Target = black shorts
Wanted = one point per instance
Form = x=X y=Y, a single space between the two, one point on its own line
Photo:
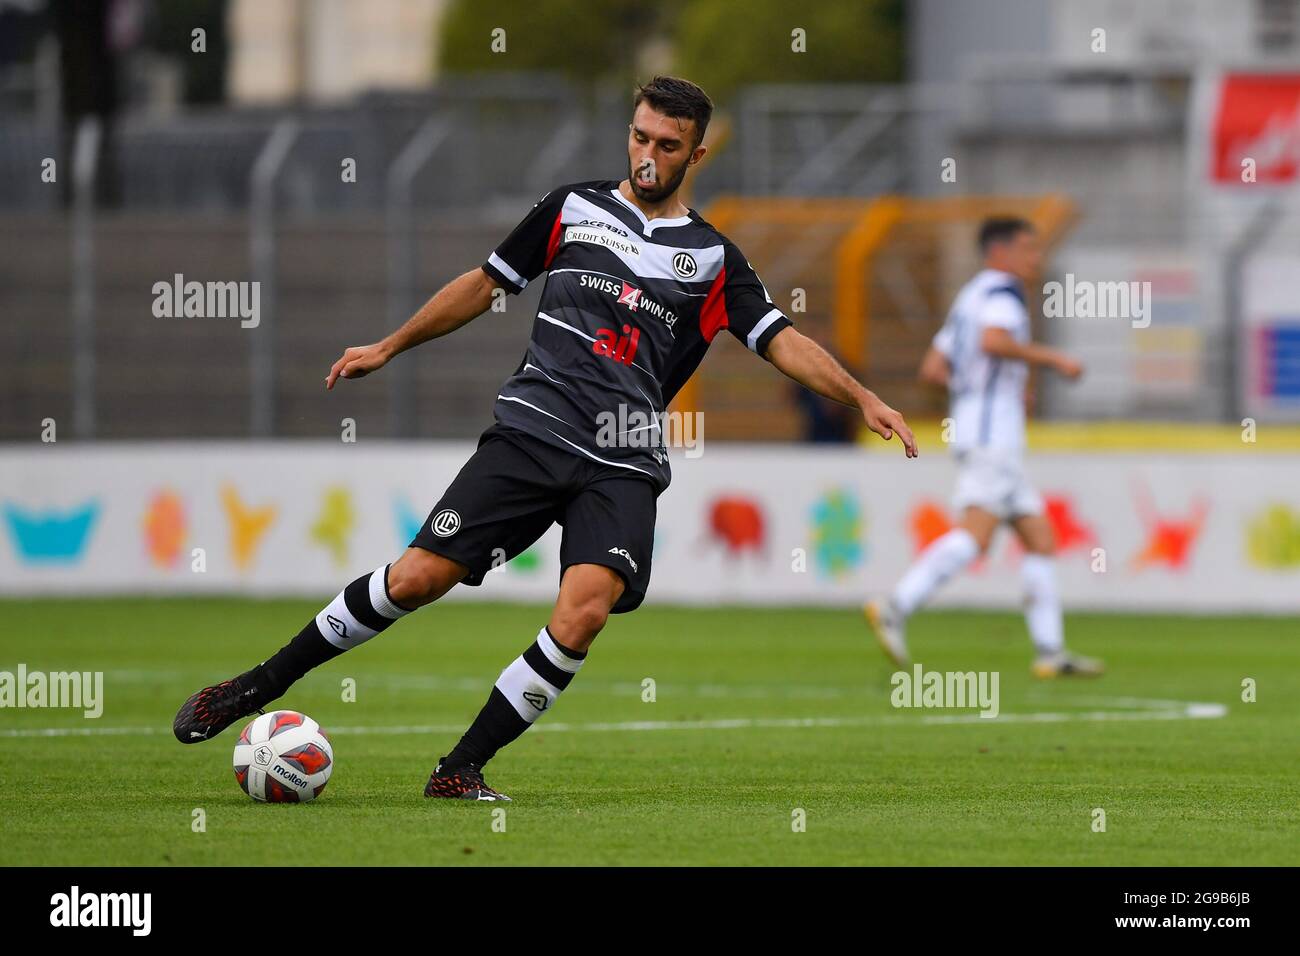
x=514 y=487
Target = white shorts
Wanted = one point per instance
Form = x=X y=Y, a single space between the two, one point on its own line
x=994 y=479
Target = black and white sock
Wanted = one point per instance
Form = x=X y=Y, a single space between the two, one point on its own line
x=359 y=612
x=526 y=689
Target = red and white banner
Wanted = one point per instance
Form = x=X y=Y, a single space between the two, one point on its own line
x=1256 y=118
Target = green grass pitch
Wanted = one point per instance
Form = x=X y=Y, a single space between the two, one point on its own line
x=760 y=713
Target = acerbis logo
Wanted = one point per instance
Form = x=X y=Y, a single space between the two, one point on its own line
x=607 y=225
x=684 y=265
x=445 y=523
x=537 y=700
x=337 y=626
x=622 y=552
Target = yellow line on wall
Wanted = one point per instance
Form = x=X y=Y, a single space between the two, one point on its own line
x=1122 y=436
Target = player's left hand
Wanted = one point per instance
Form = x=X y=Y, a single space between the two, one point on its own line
x=885 y=421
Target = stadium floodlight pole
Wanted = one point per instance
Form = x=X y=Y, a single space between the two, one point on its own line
x=85 y=163
x=756 y=142
x=402 y=260
x=261 y=370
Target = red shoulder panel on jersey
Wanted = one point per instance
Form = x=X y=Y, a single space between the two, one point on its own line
x=713 y=314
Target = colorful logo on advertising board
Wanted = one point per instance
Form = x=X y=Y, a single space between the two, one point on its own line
x=164 y=529
x=247 y=525
x=50 y=536
x=1273 y=538
x=837 y=525
x=1170 y=540
x=334 y=523
x=737 y=524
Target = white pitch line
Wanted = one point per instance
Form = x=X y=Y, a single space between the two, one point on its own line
x=620 y=688
x=1186 y=711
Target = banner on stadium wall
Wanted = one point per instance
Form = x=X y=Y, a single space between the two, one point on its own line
x=1270 y=337
x=1256 y=120
x=740 y=524
x=1245 y=158
x=1155 y=360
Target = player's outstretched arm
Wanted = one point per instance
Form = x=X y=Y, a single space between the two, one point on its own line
x=813 y=367
x=458 y=302
x=934 y=369
x=1000 y=343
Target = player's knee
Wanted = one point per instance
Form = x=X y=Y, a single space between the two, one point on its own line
x=982 y=541
x=579 y=623
x=1043 y=541
x=419 y=578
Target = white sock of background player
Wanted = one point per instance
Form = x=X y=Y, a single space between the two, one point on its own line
x=944 y=557
x=1042 y=604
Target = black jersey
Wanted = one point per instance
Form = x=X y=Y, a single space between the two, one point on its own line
x=628 y=311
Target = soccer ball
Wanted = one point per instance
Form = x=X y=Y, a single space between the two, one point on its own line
x=283 y=757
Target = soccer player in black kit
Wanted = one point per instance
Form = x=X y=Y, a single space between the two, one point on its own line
x=637 y=287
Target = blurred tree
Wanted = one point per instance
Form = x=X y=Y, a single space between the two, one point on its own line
x=88 y=88
x=170 y=32
x=720 y=44
x=725 y=44
x=588 y=42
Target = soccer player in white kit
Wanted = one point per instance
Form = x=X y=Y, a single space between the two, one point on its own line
x=982 y=355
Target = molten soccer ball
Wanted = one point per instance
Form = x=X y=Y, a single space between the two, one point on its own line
x=283 y=757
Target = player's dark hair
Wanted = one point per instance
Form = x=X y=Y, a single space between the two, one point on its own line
x=678 y=99
x=999 y=229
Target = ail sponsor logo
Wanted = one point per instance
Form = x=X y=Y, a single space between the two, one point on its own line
x=619 y=348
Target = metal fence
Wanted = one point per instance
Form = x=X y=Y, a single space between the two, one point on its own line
x=265 y=197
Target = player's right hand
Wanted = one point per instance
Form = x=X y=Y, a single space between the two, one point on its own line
x=356 y=362
x=1070 y=368
x=886 y=422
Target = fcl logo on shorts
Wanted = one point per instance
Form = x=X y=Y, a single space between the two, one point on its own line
x=445 y=523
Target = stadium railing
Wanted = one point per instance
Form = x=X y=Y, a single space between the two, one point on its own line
x=871 y=277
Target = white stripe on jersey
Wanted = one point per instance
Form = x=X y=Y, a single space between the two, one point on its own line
x=649 y=225
x=511 y=398
x=616 y=464
x=760 y=327
x=576 y=331
x=530 y=365
x=565 y=325
x=506 y=271
x=654 y=260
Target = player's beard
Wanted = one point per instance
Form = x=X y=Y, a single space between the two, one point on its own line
x=654 y=195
